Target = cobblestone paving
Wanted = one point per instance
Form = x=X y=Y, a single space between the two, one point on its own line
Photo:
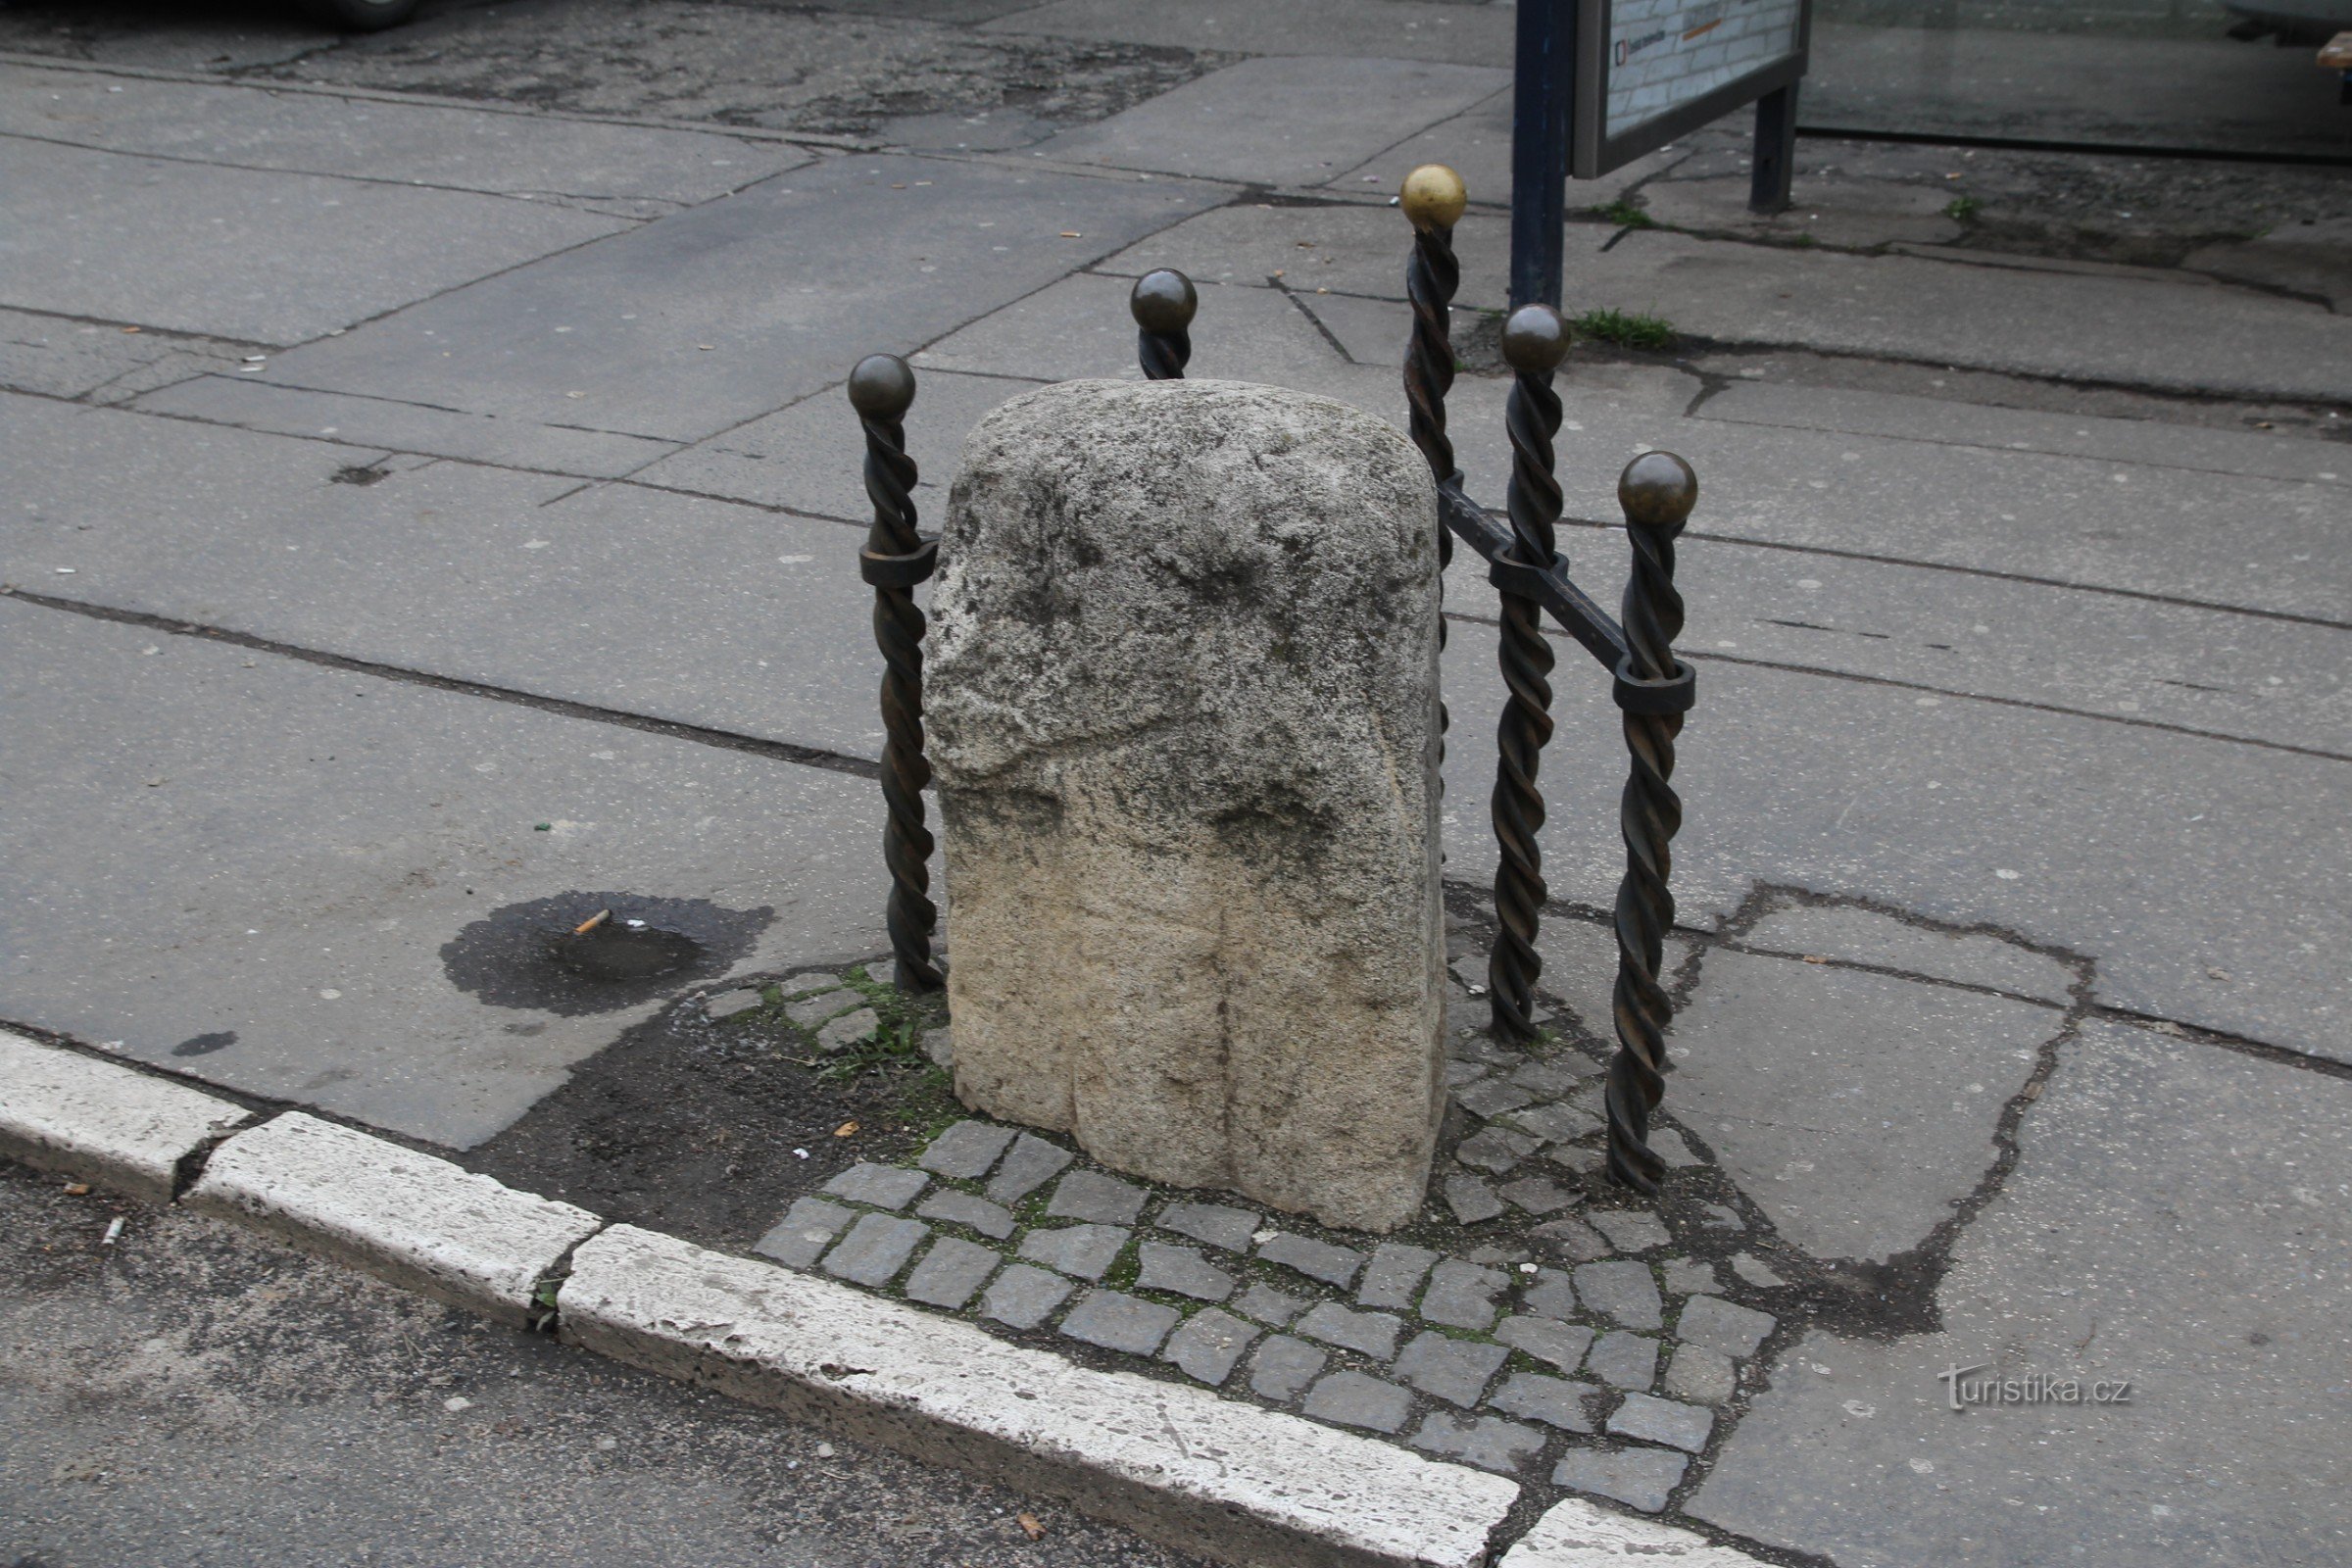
x=1534 y=1321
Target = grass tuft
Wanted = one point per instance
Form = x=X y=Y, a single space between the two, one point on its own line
x=1632 y=331
x=1625 y=215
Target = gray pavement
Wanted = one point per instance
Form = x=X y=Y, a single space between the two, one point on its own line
x=192 y=1394
x=431 y=504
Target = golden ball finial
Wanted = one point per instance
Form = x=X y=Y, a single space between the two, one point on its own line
x=1433 y=197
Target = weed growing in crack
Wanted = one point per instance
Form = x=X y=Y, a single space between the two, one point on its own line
x=1625 y=215
x=1631 y=331
x=1961 y=209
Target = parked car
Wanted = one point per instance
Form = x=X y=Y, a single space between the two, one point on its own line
x=361 y=15
x=2291 y=21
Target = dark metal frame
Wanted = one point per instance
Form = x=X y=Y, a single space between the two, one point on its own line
x=1558 y=128
x=1652 y=687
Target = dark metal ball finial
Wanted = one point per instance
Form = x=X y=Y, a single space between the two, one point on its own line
x=1433 y=197
x=1657 y=490
x=1164 y=301
x=882 y=387
x=1535 y=339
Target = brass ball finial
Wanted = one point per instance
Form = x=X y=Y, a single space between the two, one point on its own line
x=1657 y=490
x=1535 y=339
x=1433 y=197
x=1164 y=301
x=882 y=387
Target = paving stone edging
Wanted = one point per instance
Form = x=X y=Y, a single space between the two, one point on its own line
x=1175 y=1463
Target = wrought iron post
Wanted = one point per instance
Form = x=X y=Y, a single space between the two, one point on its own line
x=894 y=559
x=1162 y=304
x=1433 y=198
x=1655 y=690
x=1535 y=340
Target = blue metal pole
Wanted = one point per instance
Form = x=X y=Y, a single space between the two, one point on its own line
x=1542 y=87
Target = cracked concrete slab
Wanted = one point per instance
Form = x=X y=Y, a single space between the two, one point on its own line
x=2198 y=873
x=1954 y=422
x=1858 y=1110
x=253 y=866
x=245 y=403
x=811 y=457
x=2141 y=1237
x=2186 y=336
x=264 y=257
x=62 y=357
x=1349 y=249
x=357 y=138
x=725 y=313
x=1868 y=936
x=1947 y=634
x=1279 y=121
x=457 y=570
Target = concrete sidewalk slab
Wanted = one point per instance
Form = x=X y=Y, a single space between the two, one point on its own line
x=281 y=876
x=62 y=357
x=1197 y=1471
x=312 y=134
x=2144 y=443
x=419 y=1222
x=63 y=1111
x=811 y=457
x=261 y=258
x=2067 y=520
x=1476 y=144
x=1279 y=121
x=1351 y=249
x=2199 y=874
x=694 y=610
x=716 y=316
x=2143 y=1237
x=1397 y=30
x=2192 y=337
x=2130 y=660
x=245 y=403
x=1857 y=1110
x=1080 y=328
x=1866 y=937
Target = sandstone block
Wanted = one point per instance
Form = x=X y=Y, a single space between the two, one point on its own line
x=1182 y=690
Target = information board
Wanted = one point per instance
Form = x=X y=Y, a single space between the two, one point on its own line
x=1649 y=70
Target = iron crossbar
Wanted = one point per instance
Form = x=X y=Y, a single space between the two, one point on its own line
x=1652 y=688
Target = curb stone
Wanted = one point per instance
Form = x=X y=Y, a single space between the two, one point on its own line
x=63 y=1112
x=1176 y=1463
x=1574 y=1536
x=408 y=1218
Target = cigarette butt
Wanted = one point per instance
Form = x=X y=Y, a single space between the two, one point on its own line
x=592 y=922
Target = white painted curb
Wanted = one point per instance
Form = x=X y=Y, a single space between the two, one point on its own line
x=1172 y=1461
x=410 y=1219
x=1577 y=1535
x=1175 y=1462
x=63 y=1111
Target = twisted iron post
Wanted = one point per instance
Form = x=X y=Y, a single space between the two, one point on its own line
x=1655 y=690
x=1535 y=340
x=1433 y=198
x=894 y=559
x=1162 y=304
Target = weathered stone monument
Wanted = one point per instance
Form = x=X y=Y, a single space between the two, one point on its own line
x=1182 y=684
